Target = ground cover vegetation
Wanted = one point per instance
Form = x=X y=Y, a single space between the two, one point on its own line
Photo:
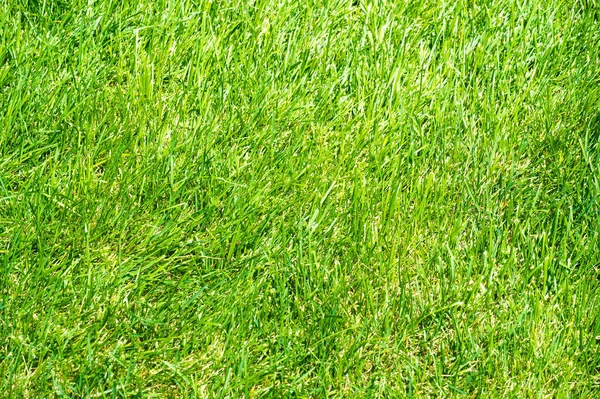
x=299 y=198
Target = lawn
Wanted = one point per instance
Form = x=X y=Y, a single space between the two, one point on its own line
x=299 y=199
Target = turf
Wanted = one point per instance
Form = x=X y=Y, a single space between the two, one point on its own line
x=318 y=198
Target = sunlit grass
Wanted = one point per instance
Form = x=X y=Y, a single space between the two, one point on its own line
x=299 y=199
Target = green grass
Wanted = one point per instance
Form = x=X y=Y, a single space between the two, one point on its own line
x=297 y=199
